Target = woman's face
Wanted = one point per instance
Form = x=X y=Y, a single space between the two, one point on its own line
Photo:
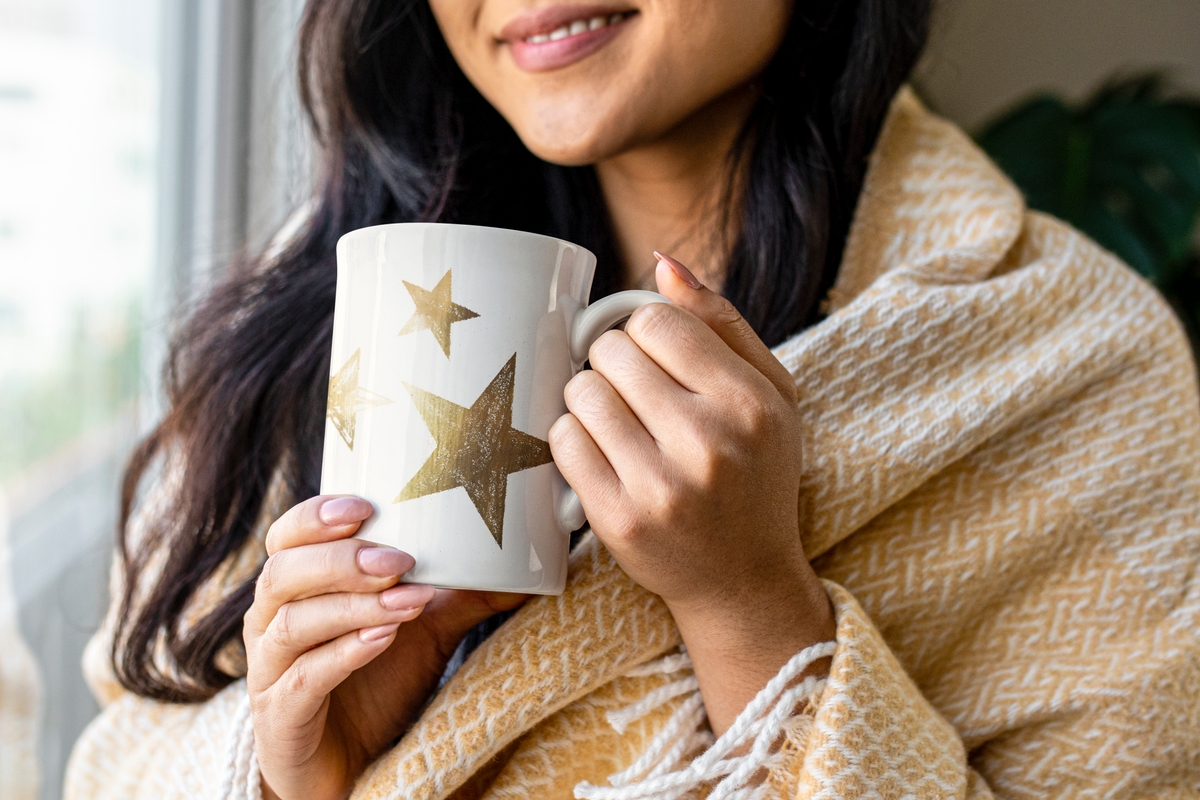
x=584 y=82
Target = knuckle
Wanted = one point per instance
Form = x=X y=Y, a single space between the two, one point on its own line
x=784 y=384
x=562 y=431
x=584 y=390
x=259 y=704
x=336 y=559
x=713 y=467
x=661 y=497
x=346 y=606
x=710 y=449
x=653 y=320
x=281 y=529
x=343 y=653
x=755 y=415
x=653 y=502
x=272 y=539
x=569 y=445
x=268 y=578
x=726 y=313
x=695 y=428
x=606 y=348
x=299 y=678
x=624 y=528
x=283 y=627
x=290 y=528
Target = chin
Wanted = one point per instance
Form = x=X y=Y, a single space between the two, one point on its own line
x=566 y=153
x=569 y=143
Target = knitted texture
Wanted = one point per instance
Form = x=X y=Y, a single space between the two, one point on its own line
x=1001 y=491
x=20 y=691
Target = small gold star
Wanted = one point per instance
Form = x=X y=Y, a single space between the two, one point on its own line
x=436 y=312
x=477 y=448
x=347 y=398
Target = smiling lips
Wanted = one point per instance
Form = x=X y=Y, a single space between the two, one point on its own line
x=554 y=37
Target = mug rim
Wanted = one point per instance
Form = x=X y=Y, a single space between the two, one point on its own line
x=515 y=231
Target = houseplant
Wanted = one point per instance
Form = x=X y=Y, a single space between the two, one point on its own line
x=1124 y=167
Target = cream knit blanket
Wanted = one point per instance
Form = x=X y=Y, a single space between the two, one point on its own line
x=1002 y=492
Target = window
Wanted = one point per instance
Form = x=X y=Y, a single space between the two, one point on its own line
x=142 y=143
x=79 y=90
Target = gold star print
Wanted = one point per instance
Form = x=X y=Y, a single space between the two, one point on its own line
x=436 y=312
x=477 y=448
x=347 y=398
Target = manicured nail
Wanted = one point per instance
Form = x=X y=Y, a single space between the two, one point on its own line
x=344 y=511
x=406 y=595
x=379 y=632
x=683 y=273
x=384 y=562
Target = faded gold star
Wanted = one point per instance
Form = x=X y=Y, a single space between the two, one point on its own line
x=477 y=448
x=347 y=398
x=436 y=312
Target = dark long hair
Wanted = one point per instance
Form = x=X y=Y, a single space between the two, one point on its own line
x=403 y=136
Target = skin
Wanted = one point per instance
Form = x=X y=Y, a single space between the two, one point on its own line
x=655 y=110
x=683 y=440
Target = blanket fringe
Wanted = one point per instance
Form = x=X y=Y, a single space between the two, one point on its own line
x=240 y=776
x=655 y=775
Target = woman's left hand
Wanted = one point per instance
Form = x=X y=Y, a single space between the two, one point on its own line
x=683 y=442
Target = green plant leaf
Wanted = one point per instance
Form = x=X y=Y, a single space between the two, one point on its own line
x=1123 y=167
x=1030 y=145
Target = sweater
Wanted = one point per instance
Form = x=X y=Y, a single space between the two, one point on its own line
x=1001 y=493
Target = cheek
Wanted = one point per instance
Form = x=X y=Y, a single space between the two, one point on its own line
x=458 y=21
x=730 y=44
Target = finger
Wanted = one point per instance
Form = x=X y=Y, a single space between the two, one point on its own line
x=302 y=625
x=323 y=518
x=691 y=353
x=608 y=420
x=652 y=396
x=299 y=693
x=351 y=565
x=459 y=610
x=682 y=288
x=583 y=465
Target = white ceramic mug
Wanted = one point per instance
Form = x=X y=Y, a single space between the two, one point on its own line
x=451 y=348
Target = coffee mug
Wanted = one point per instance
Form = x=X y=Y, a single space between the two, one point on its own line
x=452 y=345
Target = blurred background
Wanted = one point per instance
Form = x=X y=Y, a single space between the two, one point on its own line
x=144 y=142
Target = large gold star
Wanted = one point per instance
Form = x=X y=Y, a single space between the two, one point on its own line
x=436 y=312
x=347 y=398
x=477 y=448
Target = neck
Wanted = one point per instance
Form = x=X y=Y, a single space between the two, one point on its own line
x=668 y=195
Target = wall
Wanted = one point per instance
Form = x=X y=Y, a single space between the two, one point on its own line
x=984 y=55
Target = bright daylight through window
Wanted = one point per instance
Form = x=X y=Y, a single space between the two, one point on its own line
x=76 y=221
x=78 y=128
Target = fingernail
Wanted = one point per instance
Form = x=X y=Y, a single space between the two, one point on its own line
x=683 y=273
x=344 y=510
x=378 y=632
x=384 y=562
x=407 y=595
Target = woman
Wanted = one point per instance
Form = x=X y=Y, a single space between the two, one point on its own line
x=975 y=426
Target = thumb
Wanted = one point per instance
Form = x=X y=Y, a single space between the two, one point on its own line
x=681 y=287
x=456 y=611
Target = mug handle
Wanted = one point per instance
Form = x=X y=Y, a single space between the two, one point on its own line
x=588 y=326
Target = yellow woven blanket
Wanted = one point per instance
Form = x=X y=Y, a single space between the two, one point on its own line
x=1001 y=490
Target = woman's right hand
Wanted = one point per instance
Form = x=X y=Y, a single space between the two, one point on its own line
x=326 y=608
